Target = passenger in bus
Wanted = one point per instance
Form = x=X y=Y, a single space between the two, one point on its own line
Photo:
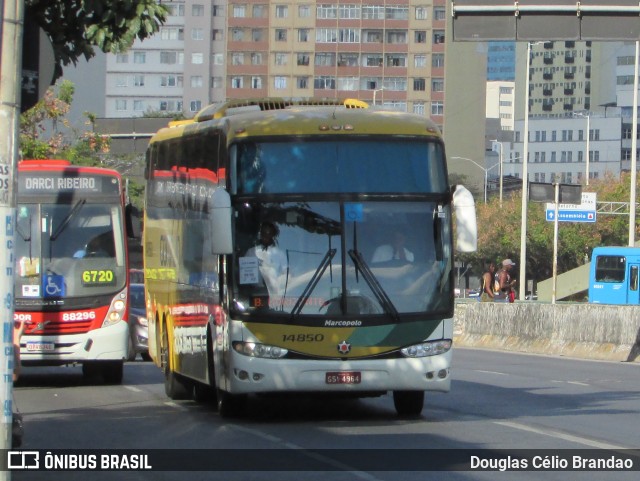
x=393 y=251
x=272 y=262
x=99 y=246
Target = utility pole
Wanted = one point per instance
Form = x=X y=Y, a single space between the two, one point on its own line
x=10 y=82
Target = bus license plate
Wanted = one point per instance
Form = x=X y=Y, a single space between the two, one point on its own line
x=40 y=346
x=343 y=377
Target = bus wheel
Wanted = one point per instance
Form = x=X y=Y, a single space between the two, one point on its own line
x=408 y=403
x=231 y=405
x=112 y=372
x=175 y=386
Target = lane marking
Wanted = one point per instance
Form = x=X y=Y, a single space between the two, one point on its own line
x=566 y=437
x=133 y=388
x=171 y=404
x=492 y=372
x=318 y=457
x=578 y=383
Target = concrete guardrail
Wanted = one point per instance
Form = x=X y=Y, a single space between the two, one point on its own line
x=590 y=331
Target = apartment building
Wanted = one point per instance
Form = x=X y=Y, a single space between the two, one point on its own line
x=388 y=52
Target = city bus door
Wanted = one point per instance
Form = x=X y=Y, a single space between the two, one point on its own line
x=633 y=293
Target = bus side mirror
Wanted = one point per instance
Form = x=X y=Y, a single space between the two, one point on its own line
x=221 y=238
x=132 y=219
x=466 y=223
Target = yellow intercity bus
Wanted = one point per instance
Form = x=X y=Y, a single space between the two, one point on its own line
x=301 y=246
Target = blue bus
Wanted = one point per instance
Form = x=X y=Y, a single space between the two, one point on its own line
x=613 y=277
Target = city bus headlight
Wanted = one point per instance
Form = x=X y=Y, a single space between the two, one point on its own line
x=264 y=351
x=116 y=310
x=424 y=349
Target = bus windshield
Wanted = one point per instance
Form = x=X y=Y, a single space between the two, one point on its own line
x=341 y=166
x=343 y=259
x=69 y=250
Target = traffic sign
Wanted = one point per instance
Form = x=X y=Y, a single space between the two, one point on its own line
x=583 y=212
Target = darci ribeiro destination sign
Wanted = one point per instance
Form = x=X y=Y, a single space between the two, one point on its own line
x=50 y=183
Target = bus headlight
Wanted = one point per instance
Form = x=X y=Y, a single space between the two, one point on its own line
x=264 y=351
x=424 y=349
x=116 y=310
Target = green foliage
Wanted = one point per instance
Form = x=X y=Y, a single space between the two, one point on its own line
x=75 y=27
x=499 y=231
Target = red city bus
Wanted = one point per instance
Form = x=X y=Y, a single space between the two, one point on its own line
x=71 y=280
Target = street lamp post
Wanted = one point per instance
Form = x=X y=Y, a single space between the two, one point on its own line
x=588 y=116
x=495 y=142
x=484 y=169
x=375 y=92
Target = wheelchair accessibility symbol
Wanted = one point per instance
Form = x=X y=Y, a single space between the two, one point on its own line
x=53 y=285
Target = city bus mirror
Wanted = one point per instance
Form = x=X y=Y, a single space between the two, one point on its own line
x=221 y=239
x=132 y=216
x=466 y=225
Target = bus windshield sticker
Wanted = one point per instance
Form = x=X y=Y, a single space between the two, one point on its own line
x=98 y=277
x=353 y=212
x=249 y=272
x=31 y=290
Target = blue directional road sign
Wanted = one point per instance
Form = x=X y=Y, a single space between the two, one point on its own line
x=572 y=215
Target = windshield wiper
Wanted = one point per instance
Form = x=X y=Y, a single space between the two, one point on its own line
x=374 y=285
x=74 y=210
x=313 y=282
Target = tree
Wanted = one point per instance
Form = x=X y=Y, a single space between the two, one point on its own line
x=75 y=27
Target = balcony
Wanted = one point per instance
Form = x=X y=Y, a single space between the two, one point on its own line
x=569 y=75
x=569 y=59
x=547 y=107
x=547 y=76
x=548 y=60
x=568 y=91
x=568 y=106
x=548 y=45
x=547 y=92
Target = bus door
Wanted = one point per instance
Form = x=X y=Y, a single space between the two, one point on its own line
x=633 y=293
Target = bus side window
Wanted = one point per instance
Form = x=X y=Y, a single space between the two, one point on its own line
x=633 y=278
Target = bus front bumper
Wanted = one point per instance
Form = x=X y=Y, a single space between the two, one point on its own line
x=255 y=375
x=104 y=344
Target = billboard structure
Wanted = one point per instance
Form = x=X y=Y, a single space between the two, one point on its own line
x=532 y=20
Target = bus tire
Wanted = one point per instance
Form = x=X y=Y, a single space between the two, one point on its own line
x=112 y=371
x=175 y=386
x=408 y=403
x=230 y=405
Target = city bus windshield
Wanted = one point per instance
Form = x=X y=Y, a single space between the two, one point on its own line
x=342 y=259
x=69 y=250
x=389 y=165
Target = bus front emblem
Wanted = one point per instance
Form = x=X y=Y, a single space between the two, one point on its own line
x=344 y=347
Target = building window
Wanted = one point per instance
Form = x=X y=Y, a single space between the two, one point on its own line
x=280 y=83
x=216 y=82
x=197 y=10
x=138 y=105
x=259 y=11
x=437 y=107
x=325 y=59
x=256 y=82
x=437 y=60
x=373 y=12
x=324 y=83
x=197 y=58
x=122 y=58
x=302 y=82
x=237 y=58
x=217 y=34
x=303 y=59
x=281 y=35
x=196 y=81
x=420 y=36
x=438 y=36
x=121 y=81
x=326 y=35
x=303 y=35
x=197 y=34
x=282 y=11
x=397 y=13
x=419 y=84
x=325 y=11
x=397 y=37
x=418 y=108
x=281 y=58
x=217 y=10
x=171 y=81
x=139 y=57
x=304 y=11
x=421 y=13
x=218 y=59
x=237 y=35
x=172 y=58
x=237 y=82
x=171 y=33
x=138 y=80
x=256 y=58
x=239 y=11
x=420 y=61
x=195 y=105
x=175 y=10
x=439 y=13
x=437 y=85
x=121 y=104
